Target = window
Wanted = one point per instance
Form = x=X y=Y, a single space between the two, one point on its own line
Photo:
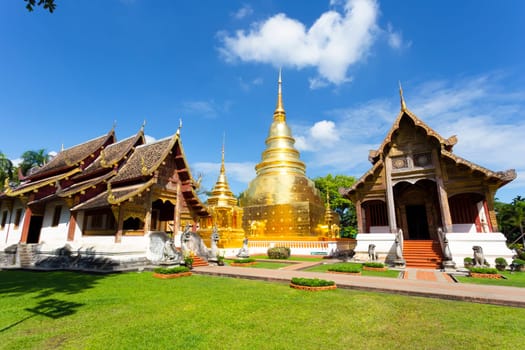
x=56 y=215
x=18 y=216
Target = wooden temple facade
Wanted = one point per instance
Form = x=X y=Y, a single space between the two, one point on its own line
x=103 y=196
x=423 y=194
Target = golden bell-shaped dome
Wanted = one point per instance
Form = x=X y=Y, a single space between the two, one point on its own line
x=281 y=199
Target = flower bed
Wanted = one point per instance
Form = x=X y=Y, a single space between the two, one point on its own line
x=171 y=272
x=312 y=289
x=369 y=268
x=312 y=284
x=486 y=275
x=171 y=275
x=250 y=263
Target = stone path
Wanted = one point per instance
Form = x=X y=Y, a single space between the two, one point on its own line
x=417 y=282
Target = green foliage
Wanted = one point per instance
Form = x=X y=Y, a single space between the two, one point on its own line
x=518 y=262
x=171 y=270
x=501 y=262
x=48 y=5
x=311 y=282
x=6 y=170
x=244 y=261
x=348 y=268
x=511 y=219
x=468 y=261
x=342 y=206
x=374 y=264
x=487 y=270
x=279 y=253
x=32 y=159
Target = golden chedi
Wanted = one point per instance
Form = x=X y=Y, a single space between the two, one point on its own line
x=225 y=214
x=281 y=203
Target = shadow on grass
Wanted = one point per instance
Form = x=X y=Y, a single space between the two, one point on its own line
x=52 y=308
x=45 y=284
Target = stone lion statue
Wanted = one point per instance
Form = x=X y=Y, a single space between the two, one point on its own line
x=372 y=256
x=479 y=258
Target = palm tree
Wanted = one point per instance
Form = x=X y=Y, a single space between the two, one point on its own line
x=31 y=159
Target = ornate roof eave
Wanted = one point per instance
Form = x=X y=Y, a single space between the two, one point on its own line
x=39 y=184
x=347 y=191
x=136 y=191
x=446 y=144
x=76 y=188
x=503 y=176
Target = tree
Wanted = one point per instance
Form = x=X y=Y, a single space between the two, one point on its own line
x=6 y=170
x=342 y=206
x=48 y=5
x=511 y=219
x=31 y=159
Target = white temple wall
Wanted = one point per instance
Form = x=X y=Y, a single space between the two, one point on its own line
x=493 y=244
x=55 y=235
x=11 y=234
x=384 y=246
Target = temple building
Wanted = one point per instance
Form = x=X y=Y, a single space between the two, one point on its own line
x=103 y=197
x=281 y=203
x=225 y=214
x=421 y=197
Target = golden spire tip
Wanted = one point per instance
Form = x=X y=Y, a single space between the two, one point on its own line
x=402 y=99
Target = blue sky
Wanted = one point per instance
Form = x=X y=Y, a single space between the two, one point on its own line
x=67 y=77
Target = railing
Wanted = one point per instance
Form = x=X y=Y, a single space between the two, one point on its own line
x=447 y=254
x=289 y=244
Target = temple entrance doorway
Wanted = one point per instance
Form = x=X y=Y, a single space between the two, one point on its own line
x=417 y=209
x=417 y=222
x=35 y=225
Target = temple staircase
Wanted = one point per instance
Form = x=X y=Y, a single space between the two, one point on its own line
x=424 y=254
x=198 y=261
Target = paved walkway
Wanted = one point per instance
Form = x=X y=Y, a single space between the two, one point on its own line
x=416 y=282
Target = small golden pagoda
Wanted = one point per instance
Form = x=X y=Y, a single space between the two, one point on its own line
x=225 y=214
x=281 y=203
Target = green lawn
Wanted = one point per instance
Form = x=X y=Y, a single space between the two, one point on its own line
x=515 y=279
x=65 y=310
x=387 y=273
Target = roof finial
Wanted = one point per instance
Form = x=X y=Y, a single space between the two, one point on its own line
x=223 y=170
x=180 y=126
x=143 y=125
x=279 y=114
x=114 y=125
x=403 y=105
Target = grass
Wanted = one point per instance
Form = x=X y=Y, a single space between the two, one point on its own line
x=515 y=279
x=325 y=267
x=66 y=310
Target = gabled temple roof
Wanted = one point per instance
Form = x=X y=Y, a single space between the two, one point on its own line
x=376 y=156
x=113 y=154
x=145 y=160
x=72 y=157
x=84 y=185
x=35 y=185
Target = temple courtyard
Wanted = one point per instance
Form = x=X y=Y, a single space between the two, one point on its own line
x=255 y=310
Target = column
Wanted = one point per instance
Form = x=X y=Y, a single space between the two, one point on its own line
x=391 y=210
x=358 y=213
x=25 y=225
x=176 y=214
x=446 y=219
x=72 y=226
x=120 y=225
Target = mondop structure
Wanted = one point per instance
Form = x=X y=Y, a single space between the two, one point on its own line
x=418 y=205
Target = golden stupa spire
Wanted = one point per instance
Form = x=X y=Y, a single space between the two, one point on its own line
x=221 y=195
x=279 y=114
x=280 y=154
x=402 y=99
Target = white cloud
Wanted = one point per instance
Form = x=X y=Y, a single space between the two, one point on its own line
x=337 y=40
x=243 y=12
x=395 y=38
x=206 y=109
